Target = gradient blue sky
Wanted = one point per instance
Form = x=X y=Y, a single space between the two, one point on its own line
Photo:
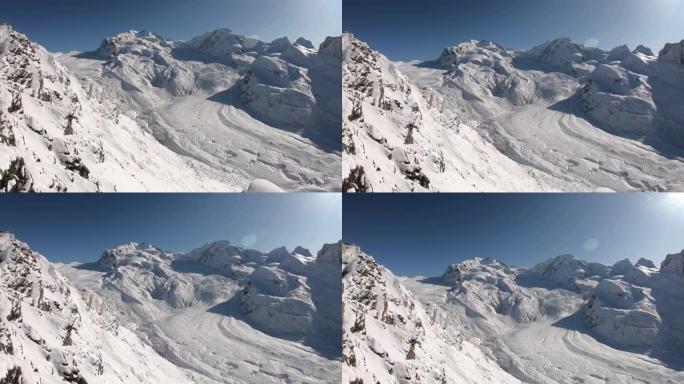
x=64 y=25
x=419 y=29
x=420 y=234
x=78 y=227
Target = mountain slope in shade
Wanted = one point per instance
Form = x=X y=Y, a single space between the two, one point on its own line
x=52 y=332
x=559 y=116
x=390 y=337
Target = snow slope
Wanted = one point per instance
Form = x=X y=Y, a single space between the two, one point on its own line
x=218 y=314
x=566 y=320
x=238 y=108
x=390 y=337
x=399 y=137
x=58 y=133
x=52 y=332
x=142 y=113
x=560 y=116
x=228 y=314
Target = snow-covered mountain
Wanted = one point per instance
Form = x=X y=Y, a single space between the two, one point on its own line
x=481 y=117
x=561 y=321
x=52 y=332
x=144 y=113
x=391 y=337
x=217 y=314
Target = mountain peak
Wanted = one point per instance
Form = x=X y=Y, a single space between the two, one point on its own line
x=674 y=263
x=673 y=53
x=129 y=254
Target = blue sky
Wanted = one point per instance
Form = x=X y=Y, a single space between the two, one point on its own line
x=420 y=234
x=78 y=227
x=63 y=25
x=410 y=29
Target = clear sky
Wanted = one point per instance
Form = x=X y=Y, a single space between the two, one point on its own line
x=78 y=227
x=419 y=29
x=420 y=234
x=64 y=25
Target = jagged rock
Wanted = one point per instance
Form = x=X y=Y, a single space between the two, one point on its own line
x=16 y=178
x=304 y=43
x=642 y=49
x=645 y=263
x=356 y=181
x=672 y=53
x=13 y=376
x=673 y=263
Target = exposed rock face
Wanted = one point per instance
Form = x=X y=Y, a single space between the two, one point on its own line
x=672 y=53
x=673 y=263
x=16 y=178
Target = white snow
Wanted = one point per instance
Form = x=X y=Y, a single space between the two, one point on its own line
x=480 y=117
x=142 y=113
x=566 y=320
x=218 y=314
x=390 y=337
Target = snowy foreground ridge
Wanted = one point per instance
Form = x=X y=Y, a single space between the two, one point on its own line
x=559 y=117
x=142 y=113
x=218 y=314
x=562 y=321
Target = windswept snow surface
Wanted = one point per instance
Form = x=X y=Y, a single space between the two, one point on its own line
x=142 y=113
x=559 y=116
x=217 y=314
x=566 y=320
